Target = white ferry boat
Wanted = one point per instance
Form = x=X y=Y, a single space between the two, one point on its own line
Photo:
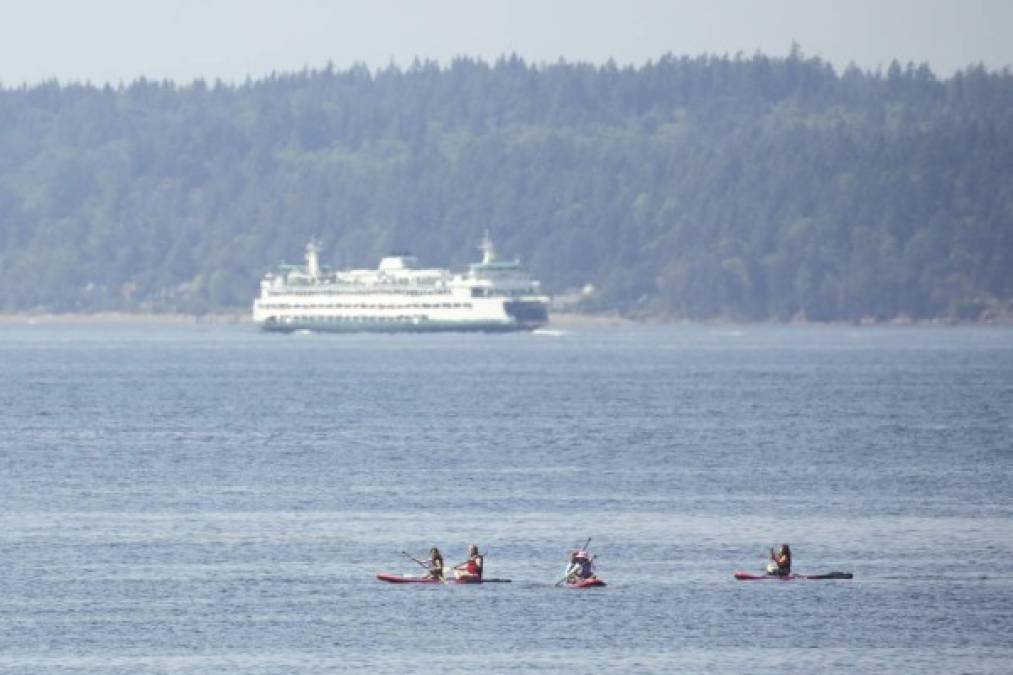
x=493 y=295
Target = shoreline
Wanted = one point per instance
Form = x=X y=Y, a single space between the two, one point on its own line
x=556 y=320
x=122 y=318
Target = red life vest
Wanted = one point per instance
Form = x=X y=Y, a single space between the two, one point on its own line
x=472 y=567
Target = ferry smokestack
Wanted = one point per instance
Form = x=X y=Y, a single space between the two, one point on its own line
x=487 y=249
x=313 y=260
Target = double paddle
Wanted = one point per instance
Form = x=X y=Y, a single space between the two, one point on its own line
x=425 y=565
x=582 y=548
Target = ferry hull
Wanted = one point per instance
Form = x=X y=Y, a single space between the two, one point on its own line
x=324 y=326
x=527 y=312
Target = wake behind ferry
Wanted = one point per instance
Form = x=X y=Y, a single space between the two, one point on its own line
x=493 y=295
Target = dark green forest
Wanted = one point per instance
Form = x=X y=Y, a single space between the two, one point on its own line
x=746 y=188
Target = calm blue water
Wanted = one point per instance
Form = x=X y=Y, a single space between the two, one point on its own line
x=187 y=499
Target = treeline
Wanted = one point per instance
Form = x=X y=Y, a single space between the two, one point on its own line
x=748 y=188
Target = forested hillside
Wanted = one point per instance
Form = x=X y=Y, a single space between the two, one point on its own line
x=747 y=188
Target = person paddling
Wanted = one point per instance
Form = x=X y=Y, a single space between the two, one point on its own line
x=580 y=568
x=780 y=562
x=471 y=570
x=435 y=563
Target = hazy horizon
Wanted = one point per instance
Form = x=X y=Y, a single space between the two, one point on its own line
x=116 y=41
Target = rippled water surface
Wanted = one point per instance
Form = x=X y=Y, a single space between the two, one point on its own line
x=188 y=499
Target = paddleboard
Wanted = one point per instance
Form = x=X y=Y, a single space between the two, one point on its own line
x=747 y=576
x=586 y=583
x=408 y=579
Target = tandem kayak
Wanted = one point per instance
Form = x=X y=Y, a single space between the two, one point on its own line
x=407 y=579
x=747 y=576
x=586 y=583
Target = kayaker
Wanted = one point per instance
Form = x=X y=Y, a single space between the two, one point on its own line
x=472 y=569
x=580 y=567
x=780 y=562
x=435 y=563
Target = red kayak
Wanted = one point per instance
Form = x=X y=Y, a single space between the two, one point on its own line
x=406 y=579
x=746 y=576
x=586 y=583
